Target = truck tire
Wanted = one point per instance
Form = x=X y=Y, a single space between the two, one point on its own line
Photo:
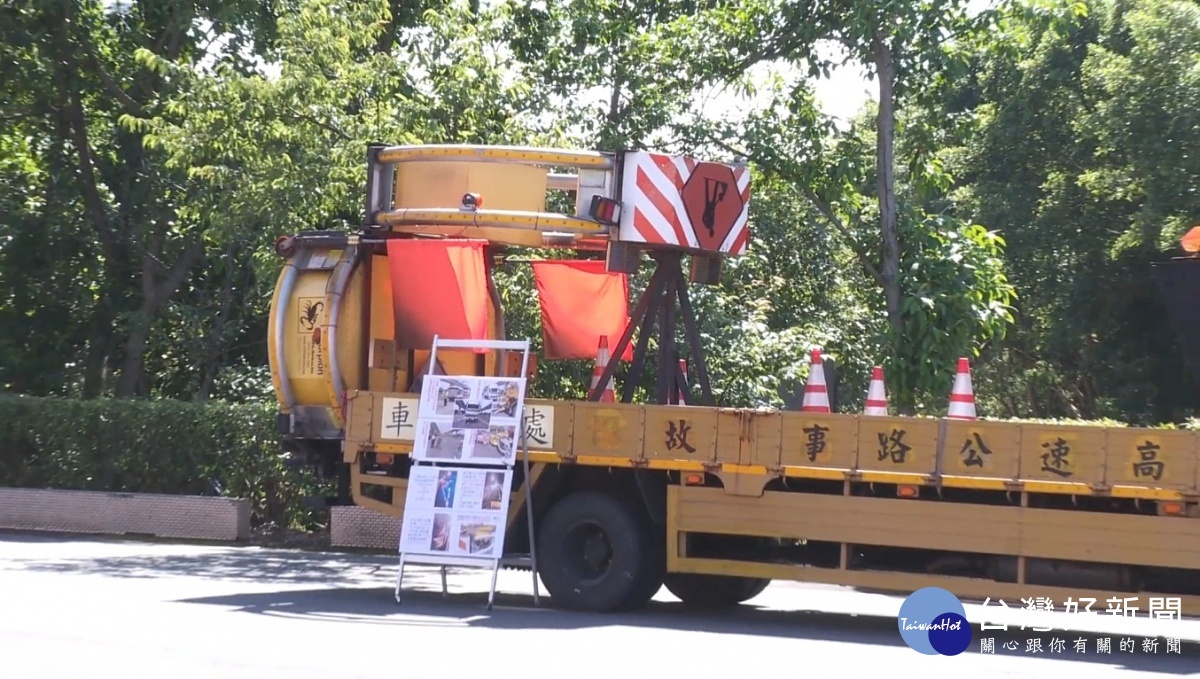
x=593 y=556
x=713 y=591
x=654 y=546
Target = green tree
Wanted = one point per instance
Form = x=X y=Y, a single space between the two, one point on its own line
x=70 y=75
x=851 y=178
x=1080 y=148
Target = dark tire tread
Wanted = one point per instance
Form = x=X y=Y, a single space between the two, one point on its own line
x=713 y=592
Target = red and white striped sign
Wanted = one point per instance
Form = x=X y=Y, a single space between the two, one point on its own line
x=681 y=202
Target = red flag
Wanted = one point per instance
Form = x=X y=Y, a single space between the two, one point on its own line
x=580 y=302
x=439 y=287
x=1191 y=241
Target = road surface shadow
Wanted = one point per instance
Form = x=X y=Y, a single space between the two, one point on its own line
x=426 y=606
x=229 y=564
x=343 y=587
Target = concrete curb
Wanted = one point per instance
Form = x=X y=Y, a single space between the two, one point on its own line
x=186 y=517
x=98 y=512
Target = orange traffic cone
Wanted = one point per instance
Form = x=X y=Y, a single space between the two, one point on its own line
x=962 y=397
x=876 y=395
x=608 y=395
x=683 y=369
x=816 y=396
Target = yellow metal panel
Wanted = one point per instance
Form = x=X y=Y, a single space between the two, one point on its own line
x=974 y=483
x=551 y=458
x=1039 y=533
x=442 y=184
x=981 y=449
x=390 y=448
x=766 y=434
x=1160 y=494
x=680 y=432
x=733 y=433
x=898 y=444
x=899 y=478
x=606 y=429
x=676 y=542
x=815 y=473
x=609 y=461
x=746 y=469
x=818 y=440
x=1056 y=487
x=1155 y=458
x=1068 y=454
x=856 y=520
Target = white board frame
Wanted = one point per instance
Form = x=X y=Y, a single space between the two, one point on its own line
x=505 y=463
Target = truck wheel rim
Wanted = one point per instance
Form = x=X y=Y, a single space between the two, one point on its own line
x=591 y=550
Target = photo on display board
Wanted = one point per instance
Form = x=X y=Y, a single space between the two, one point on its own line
x=500 y=397
x=441 y=533
x=446 y=483
x=477 y=535
x=448 y=392
x=493 y=491
x=440 y=442
x=494 y=443
x=469 y=418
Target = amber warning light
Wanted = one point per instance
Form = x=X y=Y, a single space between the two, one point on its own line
x=1191 y=241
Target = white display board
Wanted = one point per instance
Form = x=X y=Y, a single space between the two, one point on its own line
x=469 y=420
x=455 y=512
x=465 y=440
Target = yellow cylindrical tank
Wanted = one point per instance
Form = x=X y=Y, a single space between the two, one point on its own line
x=329 y=333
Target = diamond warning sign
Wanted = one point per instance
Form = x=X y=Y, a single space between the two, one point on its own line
x=679 y=202
x=713 y=203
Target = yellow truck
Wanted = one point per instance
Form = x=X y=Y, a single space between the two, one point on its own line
x=712 y=502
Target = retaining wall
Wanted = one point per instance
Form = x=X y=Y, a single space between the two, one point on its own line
x=165 y=516
x=172 y=516
x=353 y=526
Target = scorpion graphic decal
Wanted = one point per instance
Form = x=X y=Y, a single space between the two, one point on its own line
x=309 y=314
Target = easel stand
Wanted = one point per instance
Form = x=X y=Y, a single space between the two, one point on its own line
x=467 y=397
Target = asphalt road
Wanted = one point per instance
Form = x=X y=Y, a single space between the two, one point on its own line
x=107 y=608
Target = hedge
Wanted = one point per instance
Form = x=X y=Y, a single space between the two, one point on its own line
x=154 y=446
